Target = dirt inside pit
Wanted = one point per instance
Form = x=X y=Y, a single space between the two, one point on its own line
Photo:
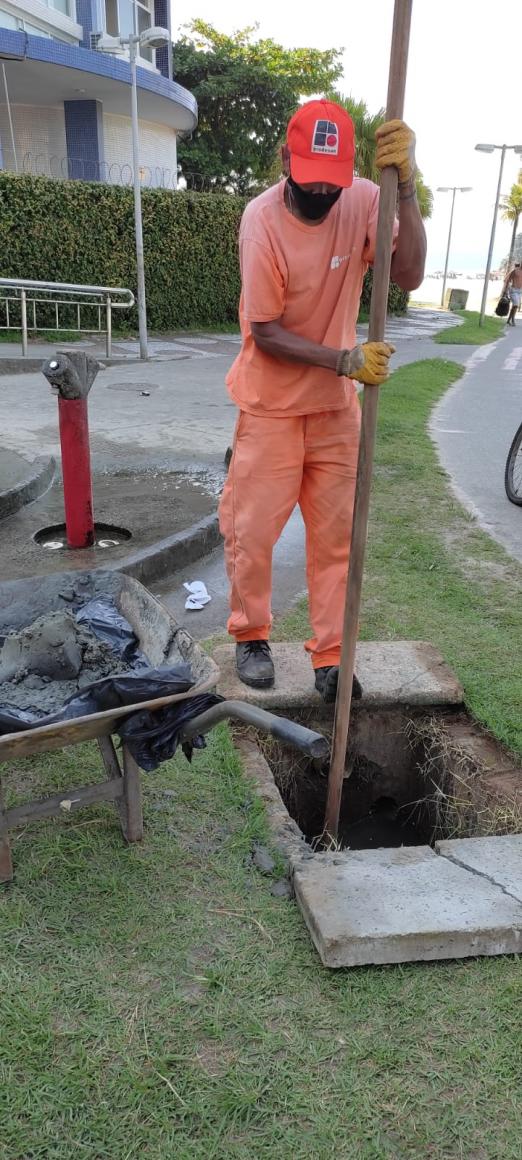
x=50 y=660
x=412 y=778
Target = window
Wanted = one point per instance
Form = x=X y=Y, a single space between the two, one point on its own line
x=111 y=17
x=62 y=6
x=32 y=30
x=8 y=21
x=127 y=18
x=17 y=25
x=144 y=21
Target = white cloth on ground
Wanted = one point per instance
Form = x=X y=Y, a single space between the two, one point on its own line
x=198 y=595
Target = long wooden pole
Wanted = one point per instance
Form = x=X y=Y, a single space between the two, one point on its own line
x=378 y=306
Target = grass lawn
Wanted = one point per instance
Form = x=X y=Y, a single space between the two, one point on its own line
x=469 y=332
x=42 y=336
x=157 y=1001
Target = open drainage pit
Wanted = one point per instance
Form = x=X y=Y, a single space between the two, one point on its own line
x=413 y=778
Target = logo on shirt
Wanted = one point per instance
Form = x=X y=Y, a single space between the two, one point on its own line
x=326 y=138
x=338 y=261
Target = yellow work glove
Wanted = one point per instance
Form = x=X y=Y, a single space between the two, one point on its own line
x=396 y=146
x=367 y=363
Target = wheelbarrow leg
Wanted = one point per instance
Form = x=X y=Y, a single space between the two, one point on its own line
x=6 y=861
x=131 y=807
x=129 y=804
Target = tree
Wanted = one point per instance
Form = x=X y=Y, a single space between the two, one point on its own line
x=246 y=90
x=424 y=196
x=511 y=209
x=365 y=124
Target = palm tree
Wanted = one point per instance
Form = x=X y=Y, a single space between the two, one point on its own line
x=511 y=209
x=365 y=124
x=424 y=196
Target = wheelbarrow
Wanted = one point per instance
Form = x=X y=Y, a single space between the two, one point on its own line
x=164 y=643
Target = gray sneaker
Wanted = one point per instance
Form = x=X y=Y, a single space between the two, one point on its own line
x=254 y=663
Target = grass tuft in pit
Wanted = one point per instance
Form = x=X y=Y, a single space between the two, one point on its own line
x=459 y=802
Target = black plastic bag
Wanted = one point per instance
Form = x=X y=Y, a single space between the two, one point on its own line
x=109 y=693
x=153 y=735
x=503 y=305
x=101 y=616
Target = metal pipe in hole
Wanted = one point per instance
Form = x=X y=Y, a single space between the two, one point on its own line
x=288 y=732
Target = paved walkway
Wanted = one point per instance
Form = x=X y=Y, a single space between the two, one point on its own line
x=174 y=412
x=473 y=427
x=171 y=412
x=193 y=344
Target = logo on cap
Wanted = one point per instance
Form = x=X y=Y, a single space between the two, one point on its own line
x=326 y=138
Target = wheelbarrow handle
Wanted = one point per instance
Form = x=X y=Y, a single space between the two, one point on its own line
x=288 y=732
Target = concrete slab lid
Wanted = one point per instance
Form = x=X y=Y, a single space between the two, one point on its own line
x=497 y=858
x=391 y=673
x=402 y=905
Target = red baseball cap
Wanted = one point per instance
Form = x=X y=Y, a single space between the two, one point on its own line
x=321 y=140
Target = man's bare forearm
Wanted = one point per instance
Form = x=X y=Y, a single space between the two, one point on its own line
x=273 y=338
x=408 y=261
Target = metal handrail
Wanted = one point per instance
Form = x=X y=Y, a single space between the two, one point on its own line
x=109 y=297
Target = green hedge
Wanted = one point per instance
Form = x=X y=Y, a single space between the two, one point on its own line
x=397 y=298
x=72 y=231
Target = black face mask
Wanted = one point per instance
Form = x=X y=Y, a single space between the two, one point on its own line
x=313 y=205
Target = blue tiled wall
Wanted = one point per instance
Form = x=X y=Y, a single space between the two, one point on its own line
x=84 y=137
x=103 y=65
x=162 y=19
x=19 y=45
x=85 y=15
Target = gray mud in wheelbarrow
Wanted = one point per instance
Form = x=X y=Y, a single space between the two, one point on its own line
x=163 y=643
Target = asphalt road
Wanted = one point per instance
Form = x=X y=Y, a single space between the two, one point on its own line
x=473 y=427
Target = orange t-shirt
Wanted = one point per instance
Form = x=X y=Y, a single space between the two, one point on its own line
x=311 y=277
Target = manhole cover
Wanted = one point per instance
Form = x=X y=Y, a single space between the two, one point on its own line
x=106 y=536
x=134 y=388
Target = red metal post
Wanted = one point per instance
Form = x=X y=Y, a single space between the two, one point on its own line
x=71 y=375
x=76 y=470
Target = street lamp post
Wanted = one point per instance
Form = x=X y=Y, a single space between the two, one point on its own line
x=150 y=38
x=503 y=151
x=450 y=189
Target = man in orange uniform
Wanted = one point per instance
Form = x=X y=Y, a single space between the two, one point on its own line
x=305 y=245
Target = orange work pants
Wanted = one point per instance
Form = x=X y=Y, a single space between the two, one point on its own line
x=310 y=460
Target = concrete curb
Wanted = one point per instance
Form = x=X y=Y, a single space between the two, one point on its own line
x=30 y=489
x=20 y=366
x=29 y=366
x=174 y=552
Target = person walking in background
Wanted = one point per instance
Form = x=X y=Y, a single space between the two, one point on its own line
x=514 y=287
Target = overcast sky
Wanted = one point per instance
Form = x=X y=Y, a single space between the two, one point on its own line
x=463 y=87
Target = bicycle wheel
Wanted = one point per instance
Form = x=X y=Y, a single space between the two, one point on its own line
x=513 y=473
